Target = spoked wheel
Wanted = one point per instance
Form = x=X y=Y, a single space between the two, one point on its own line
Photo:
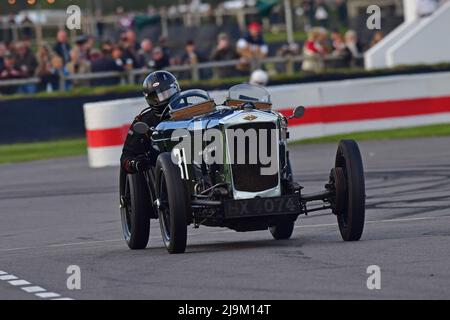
x=134 y=210
x=164 y=211
x=348 y=180
x=172 y=204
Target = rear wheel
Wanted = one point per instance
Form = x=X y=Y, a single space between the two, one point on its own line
x=350 y=209
x=172 y=204
x=135 y=208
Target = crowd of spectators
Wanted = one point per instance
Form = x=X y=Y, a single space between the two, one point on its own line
x=51 y=64
x=337 y=49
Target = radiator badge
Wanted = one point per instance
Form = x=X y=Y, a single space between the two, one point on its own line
x=250 y=117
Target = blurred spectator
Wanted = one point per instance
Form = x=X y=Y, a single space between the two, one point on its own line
x=252 y=46
x=160 y=60
x=376 y=38
x=224 y=51
x=340 y=52
x=191 y=55
x=335 y=37
x=44 y=67
x=145 y=54
x=26 y=62
x=9 y=71
x=321 y=13
x=132 y=40
x=106 y=48
x=125 y=20
x=57 y=71
x=25 y=59
x=96 y=54
x=289 y=49
x=118 y=56
x=77 y=65
x=62 y=47
x=81 y=45
x=355 y=48
x=88 y=47
x=107 y=63
x=314 y=51
x=128 y=47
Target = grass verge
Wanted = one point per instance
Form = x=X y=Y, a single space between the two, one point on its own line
x=24 y=152
x=438 y=130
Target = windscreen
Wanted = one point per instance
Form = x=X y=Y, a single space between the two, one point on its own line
x=248 y=92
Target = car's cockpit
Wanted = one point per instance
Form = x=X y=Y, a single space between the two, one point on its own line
x=191 y=103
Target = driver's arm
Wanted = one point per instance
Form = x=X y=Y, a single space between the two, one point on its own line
x=134 y=157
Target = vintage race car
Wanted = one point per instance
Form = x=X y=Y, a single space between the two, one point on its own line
x=228 y=166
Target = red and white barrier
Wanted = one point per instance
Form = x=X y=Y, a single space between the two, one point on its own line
x=331 y=108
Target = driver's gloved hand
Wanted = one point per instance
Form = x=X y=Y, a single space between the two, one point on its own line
x=139 y=164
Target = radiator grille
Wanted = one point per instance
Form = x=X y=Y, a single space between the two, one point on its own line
x=247 y=177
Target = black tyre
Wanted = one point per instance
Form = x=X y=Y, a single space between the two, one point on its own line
x=172 y=204
x=351 y=214
x=282 y=230
x=135 y=206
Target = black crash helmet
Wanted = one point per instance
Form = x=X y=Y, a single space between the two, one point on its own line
x=159 y=88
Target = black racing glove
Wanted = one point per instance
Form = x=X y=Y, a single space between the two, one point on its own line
x=140 y=164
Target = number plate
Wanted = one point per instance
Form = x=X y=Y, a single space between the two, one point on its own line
x=262 y=207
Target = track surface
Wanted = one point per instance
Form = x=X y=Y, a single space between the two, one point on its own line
x=59 y=213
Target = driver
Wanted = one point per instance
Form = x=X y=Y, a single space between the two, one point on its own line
x=159 y=88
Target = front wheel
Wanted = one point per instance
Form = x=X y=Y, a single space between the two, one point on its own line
x=172 y=204
x=350 y=190
x=282 y=230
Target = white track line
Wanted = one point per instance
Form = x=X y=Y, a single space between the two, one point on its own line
x=48 y=295
x=31 y=289
x=18 y=283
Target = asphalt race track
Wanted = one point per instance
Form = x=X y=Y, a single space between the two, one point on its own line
x=54 y=214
